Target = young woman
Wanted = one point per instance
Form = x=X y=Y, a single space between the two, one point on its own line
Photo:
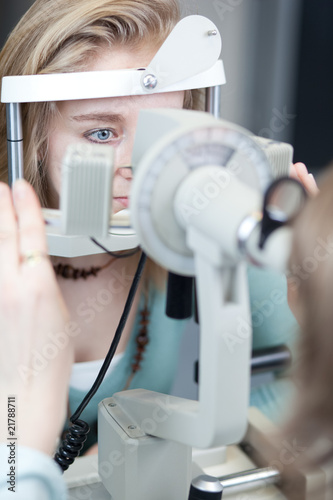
x=97 y=35
x=88 y=35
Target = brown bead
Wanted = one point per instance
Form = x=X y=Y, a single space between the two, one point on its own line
x=94 y=270
x=142 y=340
x=67 y=272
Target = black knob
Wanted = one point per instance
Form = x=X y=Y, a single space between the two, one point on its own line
x=179 y=296
x=206 y=488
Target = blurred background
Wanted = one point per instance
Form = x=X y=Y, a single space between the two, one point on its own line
x=278 y=56
x=278 y=61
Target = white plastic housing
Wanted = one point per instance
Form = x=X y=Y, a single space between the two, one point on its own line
x=188 y=59
x=134 y=465
x=86 y=190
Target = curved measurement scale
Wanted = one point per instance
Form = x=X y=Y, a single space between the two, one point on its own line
x=187 y=141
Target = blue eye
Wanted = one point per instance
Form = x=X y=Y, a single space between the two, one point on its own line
x=101 y=135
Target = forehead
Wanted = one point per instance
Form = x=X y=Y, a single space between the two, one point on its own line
x=124 y=107
x=121 y=58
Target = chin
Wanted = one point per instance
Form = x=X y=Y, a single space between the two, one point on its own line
x=117 y=207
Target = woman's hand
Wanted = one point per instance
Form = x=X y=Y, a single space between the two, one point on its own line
x=36 y=353
x=299 y=172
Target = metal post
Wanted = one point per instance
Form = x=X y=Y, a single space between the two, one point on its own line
x=14 y=142
x=213 y=101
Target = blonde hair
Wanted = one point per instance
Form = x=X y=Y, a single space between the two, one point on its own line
x=61 y=36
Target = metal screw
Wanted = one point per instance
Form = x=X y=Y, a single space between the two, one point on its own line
x=149 y=81
x=212 y=32
x=132 y=427
x=112 y=404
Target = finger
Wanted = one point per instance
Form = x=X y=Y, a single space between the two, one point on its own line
x=32 y=239
x=292 y=172
x=311 y=185
x=306 y=179
x=9 y=261
x=301 y=169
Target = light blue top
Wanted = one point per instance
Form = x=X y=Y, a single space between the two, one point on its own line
x=273 y=325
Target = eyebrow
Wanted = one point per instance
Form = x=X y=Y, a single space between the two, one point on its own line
x=98 y=117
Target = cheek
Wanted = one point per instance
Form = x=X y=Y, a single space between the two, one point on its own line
x=180 y=99
x=56 y=150
x=123 y=151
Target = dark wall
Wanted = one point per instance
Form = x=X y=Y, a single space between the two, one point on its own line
x=314 y=123
x=10 y=12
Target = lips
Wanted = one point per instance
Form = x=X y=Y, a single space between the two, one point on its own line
x=123 y=200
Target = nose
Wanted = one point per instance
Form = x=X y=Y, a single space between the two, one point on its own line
x=125 y=172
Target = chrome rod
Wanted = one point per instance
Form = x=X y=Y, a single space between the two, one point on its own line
x=213 y=101
x=270 y=359
x=249 y=480
x=14 y=142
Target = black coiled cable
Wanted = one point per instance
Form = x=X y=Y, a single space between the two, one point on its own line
x=72 y=444
x=77 y=433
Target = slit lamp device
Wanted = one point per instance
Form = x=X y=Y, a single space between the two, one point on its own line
x=196 y=209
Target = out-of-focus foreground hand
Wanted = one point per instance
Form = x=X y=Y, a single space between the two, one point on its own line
x=294 y=302
x=299 y=172
x=34 y=366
